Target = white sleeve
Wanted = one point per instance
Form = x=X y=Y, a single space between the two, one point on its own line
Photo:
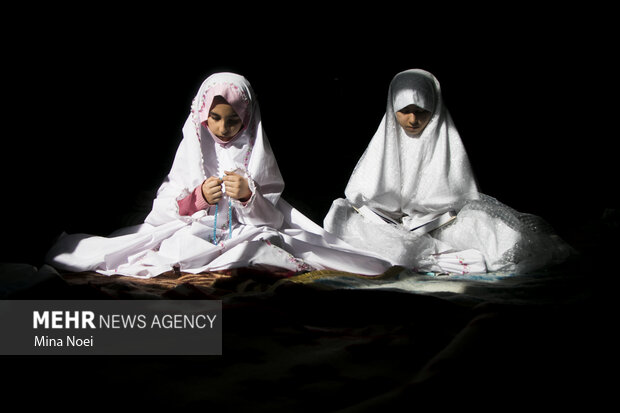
x=257 y=211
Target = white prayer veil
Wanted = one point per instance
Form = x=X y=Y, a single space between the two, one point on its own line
x=264 y=232
x=414 y=177
x=196 y=159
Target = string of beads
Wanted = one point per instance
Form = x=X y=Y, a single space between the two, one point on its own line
x=229 y=222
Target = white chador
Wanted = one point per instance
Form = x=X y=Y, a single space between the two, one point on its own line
x=263 y=232
x=414 y=178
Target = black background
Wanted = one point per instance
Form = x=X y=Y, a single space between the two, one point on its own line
x=93 y=105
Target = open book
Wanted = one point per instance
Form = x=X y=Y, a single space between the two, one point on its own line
x=378 y=217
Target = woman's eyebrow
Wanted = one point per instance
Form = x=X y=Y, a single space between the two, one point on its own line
x=234 y=115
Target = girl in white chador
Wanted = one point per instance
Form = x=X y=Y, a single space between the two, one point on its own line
x=414 y=170
x=219 y=207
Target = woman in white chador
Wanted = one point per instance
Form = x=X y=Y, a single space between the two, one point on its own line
x=415 y=170
x=219 y=207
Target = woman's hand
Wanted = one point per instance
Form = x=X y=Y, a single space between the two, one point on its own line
x=212 y=190
x=237 y=187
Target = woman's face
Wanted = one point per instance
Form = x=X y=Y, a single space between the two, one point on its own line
x=223 y=121
x=413 y=119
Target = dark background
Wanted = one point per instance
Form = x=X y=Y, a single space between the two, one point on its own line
x=93 y=107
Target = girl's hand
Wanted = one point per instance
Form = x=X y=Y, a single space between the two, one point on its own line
x=212 y=190
x=237 y=187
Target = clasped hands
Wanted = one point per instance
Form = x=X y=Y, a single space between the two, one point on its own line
x=237 y=187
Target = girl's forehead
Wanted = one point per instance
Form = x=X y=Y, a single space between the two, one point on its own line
x=411 y=107
x=223 y=108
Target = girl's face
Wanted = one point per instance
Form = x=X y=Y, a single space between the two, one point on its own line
x=223 y=121
x=413 y=119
